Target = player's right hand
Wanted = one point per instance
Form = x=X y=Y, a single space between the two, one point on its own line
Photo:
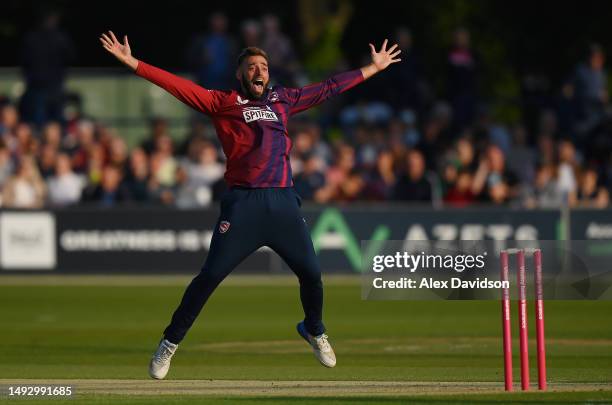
x=121 y=51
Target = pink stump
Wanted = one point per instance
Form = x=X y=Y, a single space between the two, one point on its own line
x=541 y=343
x=522 y=316
x=507 y=333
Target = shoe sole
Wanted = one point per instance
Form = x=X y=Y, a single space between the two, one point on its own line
x=155 y=377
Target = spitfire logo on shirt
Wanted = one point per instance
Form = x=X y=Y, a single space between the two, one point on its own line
x=259 y=114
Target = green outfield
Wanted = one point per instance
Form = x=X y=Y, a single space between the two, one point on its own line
x=98 y=333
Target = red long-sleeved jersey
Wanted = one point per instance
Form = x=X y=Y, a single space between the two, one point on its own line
x=253 y=133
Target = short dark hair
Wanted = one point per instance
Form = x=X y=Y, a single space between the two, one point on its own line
x=251 y=51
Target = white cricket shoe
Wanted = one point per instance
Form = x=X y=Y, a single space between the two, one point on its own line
x=320 y=346
x=160 y=363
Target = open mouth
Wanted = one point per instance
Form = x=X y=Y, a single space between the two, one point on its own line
x=258 y=85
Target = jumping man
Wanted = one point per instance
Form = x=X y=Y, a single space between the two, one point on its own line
x=261 y=207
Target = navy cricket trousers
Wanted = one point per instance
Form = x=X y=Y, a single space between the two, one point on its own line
x=251 y=218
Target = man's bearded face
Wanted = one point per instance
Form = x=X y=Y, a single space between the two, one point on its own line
x=253 y=75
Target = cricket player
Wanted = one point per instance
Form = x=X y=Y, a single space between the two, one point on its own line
x=261 y=207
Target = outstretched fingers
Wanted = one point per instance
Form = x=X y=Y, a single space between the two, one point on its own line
x=111 y=43
x=105 y=39
x=384 y=45
x=115 y=41
x=107 y=43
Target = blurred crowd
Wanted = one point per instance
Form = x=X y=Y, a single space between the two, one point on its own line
x=393 y=138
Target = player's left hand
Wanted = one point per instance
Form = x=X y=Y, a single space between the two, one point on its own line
x=384 y=57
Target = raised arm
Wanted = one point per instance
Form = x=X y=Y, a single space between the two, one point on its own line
x=306 y=97
x=185 y=90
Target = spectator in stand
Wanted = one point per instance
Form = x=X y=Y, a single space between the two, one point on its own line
x=105 y=137
x=320 y=147
x=7 y=165
x=545 y=193
x=546 y=150
x=47 y=161
x=199 y=131
x=566 y=108
x=458 y=159
x=163 y=167
x=162 y=193
x=159 y=129
x=84 y=143
x=251 y=34
x=337 y=174
x=193 y=150
x=487 y=130
x=367 y=154
x=281 y=55
x=523 y=157
x=460 y=194
x=410 y=132
x=198 y=174
x=95 y=164
x=493 y=182
x=436 y=133
x=381 y=179
x=590 y=193
x=352 y=188
x=9 y=118
x=207 y=169
x=52 y=135
x=465 y=154
x=25 y=143
x=163 y=163
x=73 y=114
x=211 y=55
x=197 y=180
x=449 y=175
x=311 y=178
x=46 y=53
x=118 y=153
x=405 y=83
x=413 y=185
x=110 y=191
x=25 y=189
x=548 y=123
x=567 y=168
x=303 y=147
x=137 y=177
x=65 y=187
x=185 y=195
x=591 y=89
x=462 y=79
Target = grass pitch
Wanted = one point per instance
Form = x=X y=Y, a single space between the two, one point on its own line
x=98 y=333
